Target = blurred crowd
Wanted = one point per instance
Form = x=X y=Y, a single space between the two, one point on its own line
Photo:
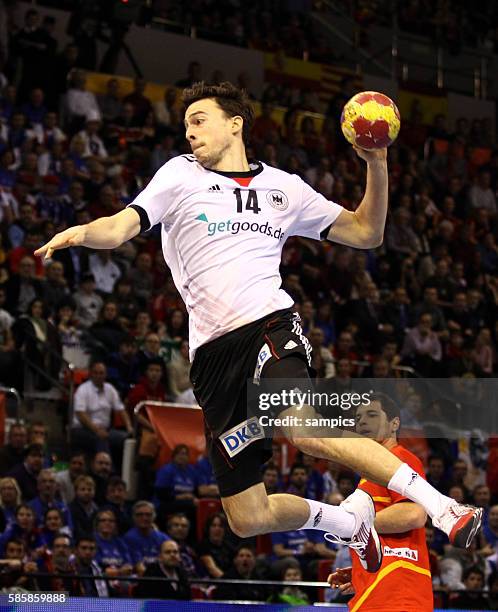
x=425 y=300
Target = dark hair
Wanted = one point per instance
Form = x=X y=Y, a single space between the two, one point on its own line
x=17 y=541
x=115 y=481
x=210 y=521
x=85 y=537
x=473 y=569
x=59 y=512
x=388 y=405
x=33 y=449
x=298 y=466
x=178 y=448
x=244 y=547
x=176 y=515
x=232 y=101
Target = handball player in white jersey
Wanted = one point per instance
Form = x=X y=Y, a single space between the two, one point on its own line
x=224 y=222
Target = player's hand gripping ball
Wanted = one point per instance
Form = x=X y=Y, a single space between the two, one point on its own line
x=370 y=120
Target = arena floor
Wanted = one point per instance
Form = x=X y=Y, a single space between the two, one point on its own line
x=75 y=604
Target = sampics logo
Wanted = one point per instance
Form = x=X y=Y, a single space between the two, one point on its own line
x=235 y=227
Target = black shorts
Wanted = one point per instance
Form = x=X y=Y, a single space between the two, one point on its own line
x=220 y=374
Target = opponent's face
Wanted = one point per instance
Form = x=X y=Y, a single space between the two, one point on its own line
x=372 y=422
x=210 y=132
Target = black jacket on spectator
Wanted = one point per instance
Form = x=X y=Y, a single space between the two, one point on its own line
x=161 y=589
x=9 y=459
x=13 y=289
x=75 y=262
x=123 y=515
x=26 y=480
x=82 y=522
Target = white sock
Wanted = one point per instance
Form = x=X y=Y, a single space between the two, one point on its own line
x=408 y=483
x=333 y=519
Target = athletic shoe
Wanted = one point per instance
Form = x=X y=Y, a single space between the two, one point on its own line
x=460 y=523
x=365 y=540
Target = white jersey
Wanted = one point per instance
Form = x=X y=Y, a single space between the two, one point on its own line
x=222 y=237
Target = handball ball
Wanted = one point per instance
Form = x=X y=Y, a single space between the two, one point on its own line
x=370 y=120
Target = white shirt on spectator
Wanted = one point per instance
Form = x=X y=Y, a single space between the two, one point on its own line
x=94 y=146
x=97 y=403
x=105 y=273
x=79 y=102
x=482 y=198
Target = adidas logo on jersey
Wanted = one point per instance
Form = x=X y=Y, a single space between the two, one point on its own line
x=214 y=188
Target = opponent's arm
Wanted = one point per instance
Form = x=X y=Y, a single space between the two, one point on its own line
x=364 y=228
x=103 y=233
x=399 y=518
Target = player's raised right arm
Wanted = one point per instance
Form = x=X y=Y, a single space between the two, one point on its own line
x=103 y=233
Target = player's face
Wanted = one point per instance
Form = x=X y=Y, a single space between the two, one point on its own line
x=210 y=132
x=372 y=422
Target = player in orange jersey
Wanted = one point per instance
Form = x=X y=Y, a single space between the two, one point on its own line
x=403 y=582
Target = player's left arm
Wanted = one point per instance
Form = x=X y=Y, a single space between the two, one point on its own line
x=364 y=228
x=400 y=517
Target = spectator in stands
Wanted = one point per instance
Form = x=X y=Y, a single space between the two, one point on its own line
x=150 y=352
x=149 y=387
x=36 y=336
x=101 y=471
x=178 y=528
x=55 y=287
x=116 y=500
x=88 y=302
x=79 y=102
x=24 y=529
x=215 y=551
x=271 y=478
x=400 y=237
x=22 y=288
x=481 y=497
x=473 y=599
x=14 y=567
x=60 y=562
x=85 y=552
x=176 y=484
x=112 y=554
x=105 y=271
x=422 y=347
x=10 y=498
x=243 y=567
x=169 y=566
x=46 y=499
x=141 y=104
x=108 y=330
x=435 y=474
x=144 y=540
x=208 y=487
x=179 y=376
x=95 y=401
x=12 y=454
x=110 y=103
x=123 y=366
x=489 y=534
x=26 y=473
x=128 y=305
x=66 y=478
x=94 y=147
x=481 y=195
x=54 y=523
x=299 y=544
x=459 y=474
x=83 y=507
x=323 y=362
x=430 y=304
x=290 y=595
x=298 y=480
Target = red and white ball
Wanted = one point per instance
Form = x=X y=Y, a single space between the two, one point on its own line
x=370 y=120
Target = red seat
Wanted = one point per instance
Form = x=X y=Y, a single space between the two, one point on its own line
x=324 y=569
x=263 y=544
x=205 y=509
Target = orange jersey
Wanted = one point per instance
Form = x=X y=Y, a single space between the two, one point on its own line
x=403 y=582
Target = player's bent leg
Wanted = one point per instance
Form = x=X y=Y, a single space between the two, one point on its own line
x=253 y=512
x=461 y=523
